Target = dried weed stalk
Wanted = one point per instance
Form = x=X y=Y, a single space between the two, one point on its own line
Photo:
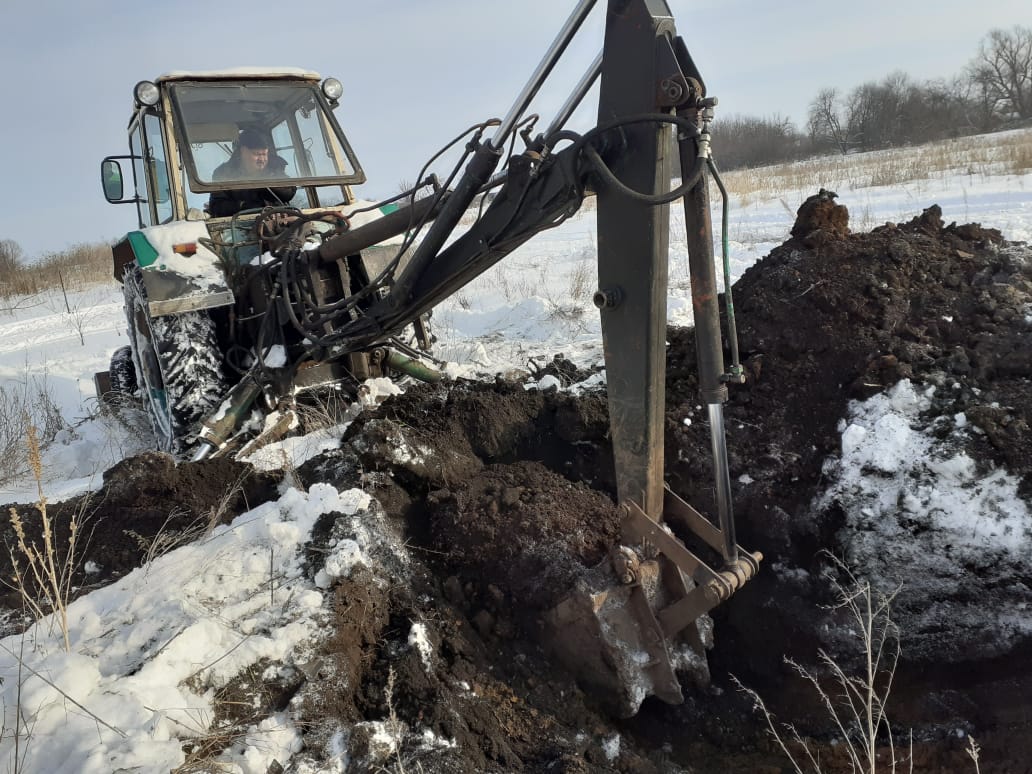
x=45 y=583
x=973 y=751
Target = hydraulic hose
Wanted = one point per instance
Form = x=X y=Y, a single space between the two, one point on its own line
x=688 y=177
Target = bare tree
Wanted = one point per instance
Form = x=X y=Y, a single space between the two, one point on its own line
x=979 y=107
x=10 y=264
x=825 y=124
x=748 y=141
x=10 y=256
x=1003 y=67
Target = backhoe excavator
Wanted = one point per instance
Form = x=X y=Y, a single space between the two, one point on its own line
x=232 y=318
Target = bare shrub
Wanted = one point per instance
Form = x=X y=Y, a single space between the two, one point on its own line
x=855 y=703
x=30 y=404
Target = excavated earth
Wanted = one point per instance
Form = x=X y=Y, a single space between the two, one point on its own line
x=503 y=495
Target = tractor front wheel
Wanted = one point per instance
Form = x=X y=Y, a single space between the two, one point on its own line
x=178 y=366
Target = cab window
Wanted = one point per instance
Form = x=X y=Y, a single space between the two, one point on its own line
x=157 y=168
x=292 y=114
x=138 y=149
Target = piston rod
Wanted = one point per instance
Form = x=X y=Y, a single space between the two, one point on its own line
x=722 y=480
x=544 y=68
x=576 y=96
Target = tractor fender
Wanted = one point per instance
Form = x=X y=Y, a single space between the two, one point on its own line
x=179 y=273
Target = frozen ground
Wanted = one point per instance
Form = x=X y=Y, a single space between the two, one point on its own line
x=148 y=652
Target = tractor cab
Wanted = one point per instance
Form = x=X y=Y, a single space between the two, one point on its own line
x=184 y=142
x=223 y=168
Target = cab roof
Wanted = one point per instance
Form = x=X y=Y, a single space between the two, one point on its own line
x=240 y=72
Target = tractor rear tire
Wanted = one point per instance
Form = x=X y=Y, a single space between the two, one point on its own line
x=123 y=373
x=178 y=365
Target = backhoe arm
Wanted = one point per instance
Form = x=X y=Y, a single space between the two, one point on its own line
x=648 y=84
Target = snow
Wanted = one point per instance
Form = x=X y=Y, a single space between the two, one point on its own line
x=418 y=639
x=893 y=473
x=240 y=72
x=276 y=356
x=202 y=265
x=894 y=478
x=927 y=518
x=148 y=651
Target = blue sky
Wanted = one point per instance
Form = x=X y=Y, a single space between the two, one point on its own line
x=415 y=74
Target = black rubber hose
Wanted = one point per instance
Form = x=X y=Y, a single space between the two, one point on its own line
x=598 y=163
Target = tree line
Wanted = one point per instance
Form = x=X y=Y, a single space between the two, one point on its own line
x=994 y=92
x=78 y=266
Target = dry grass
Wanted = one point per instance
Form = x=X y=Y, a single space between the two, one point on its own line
x=856 y=704
x=977 y=156
x=973 y=751
x=1020 y=159
x=45 y=583
x=76 y=268
x=233 y=725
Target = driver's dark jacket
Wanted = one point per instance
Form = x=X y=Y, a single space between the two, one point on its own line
x=224 y=203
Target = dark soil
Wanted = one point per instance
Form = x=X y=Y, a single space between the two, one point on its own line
x=505 y=496
x=147 y=506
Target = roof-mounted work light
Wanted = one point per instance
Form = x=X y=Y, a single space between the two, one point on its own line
x=146 y=93
x=332 y=89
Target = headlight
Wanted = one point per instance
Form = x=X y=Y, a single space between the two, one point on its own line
x=332 y=89
x=146 y=93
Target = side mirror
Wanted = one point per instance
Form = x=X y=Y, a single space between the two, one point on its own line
x=111 y=180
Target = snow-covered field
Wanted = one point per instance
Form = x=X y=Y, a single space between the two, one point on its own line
x=148 y=652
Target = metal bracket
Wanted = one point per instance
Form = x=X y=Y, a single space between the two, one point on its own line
x=713 y=586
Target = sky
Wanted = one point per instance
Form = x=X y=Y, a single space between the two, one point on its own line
x=415 y=74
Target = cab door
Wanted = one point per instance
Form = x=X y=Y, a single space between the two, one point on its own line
x=150 y=171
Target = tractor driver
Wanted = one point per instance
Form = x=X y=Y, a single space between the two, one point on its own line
x=252 y=158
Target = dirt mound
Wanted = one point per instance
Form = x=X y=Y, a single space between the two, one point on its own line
x=524 y=528
x=820 y=220
x=823 y=321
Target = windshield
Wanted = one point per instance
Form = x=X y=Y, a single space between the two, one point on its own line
x=220 y=120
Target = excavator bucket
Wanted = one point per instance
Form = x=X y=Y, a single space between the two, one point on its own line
x=636 y=623
x=633 y=623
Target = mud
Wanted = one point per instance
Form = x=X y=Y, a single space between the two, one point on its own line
x=503 y=496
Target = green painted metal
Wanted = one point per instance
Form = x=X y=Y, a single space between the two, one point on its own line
x=412 y=367
x=143 y=250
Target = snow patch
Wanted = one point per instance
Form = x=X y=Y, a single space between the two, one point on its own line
x=345 y=555
x=418 y=640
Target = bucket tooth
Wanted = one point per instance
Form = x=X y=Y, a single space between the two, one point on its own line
x=634 y=622
x=606 y=634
